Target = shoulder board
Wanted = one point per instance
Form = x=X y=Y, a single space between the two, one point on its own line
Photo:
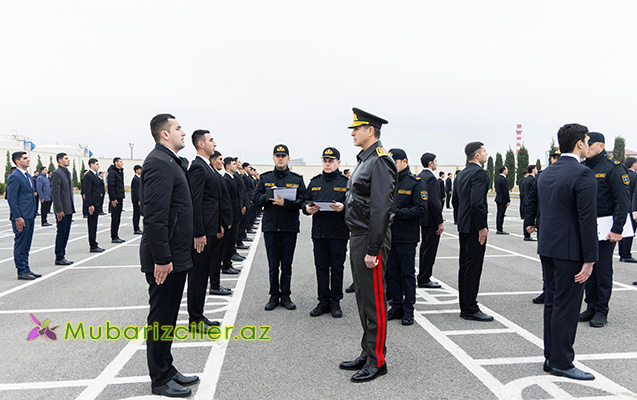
x=414 y=176
x=345 y=176
x=265 y=173
x=616 y=162
x=296 y=173
x=315 y=177
x=381 y=152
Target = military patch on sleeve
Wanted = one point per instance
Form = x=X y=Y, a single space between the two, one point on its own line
x=290 y=185
x=626 y=179
x=424 y=195
x=314 y=189
x=402 y=191
x=381 y=152
x=340 y=189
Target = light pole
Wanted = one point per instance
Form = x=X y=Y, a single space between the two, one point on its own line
x=131 y=149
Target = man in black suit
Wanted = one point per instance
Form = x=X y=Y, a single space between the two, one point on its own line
x=567 y=247
x=441 y=182
x=431 y=225
x=471 y=189
x=243 y=202
x=525 y=188
x=213 y=215
x=166 y=248
x=502 y=199
x=92 y=202
x=230 y=238
x=454 y=201
x=626 y=243
x=134 y=189
x=448 y=189
x=63 y=206
x=115 y=181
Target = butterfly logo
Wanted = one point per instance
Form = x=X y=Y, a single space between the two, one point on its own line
x=42 y=329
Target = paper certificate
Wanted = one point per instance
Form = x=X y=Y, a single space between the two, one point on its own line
x=604 y=225
x=324 y=205
x=286 y=193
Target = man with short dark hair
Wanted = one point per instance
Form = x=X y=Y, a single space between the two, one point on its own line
x=626 y=243
x=230 y=237
x=502 y=199
x=21 y=198
x=431 y=224
x=92 y=202
x=43 y=185
x=443 y=190
x=134 y=189
x=525 y=188
x=63 y=205
x=448 y=189
x=166 y=249
x=115 y=181
x=471 y=188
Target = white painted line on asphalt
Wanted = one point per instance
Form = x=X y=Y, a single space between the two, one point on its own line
x=68 y=310
x=486 y=256
x=477 y=332
x=109 y=266
x=540 y=359
x=447 y=311
x=59 y=271
x=212 y=370
x=44 y=385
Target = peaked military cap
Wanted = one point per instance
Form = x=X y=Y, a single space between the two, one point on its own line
x=331 y=152
x=556 y=152
x=397 y=154
x=281 y=149
x=595 y=137
x=364 y=118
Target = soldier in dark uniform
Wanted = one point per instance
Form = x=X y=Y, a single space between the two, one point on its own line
x=432 y=223
x=626 y=244
x=368 y=212
x=612 y=199
x=280 y=225
x=329 y=232
x=411 y=206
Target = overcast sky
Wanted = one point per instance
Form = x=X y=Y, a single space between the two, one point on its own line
x=257 y=73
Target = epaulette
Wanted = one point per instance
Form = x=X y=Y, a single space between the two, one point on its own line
x=416 y=177
x=317 y=176
x=381 y=152
x=612 y=160
x=296 y=173
x=345 y=176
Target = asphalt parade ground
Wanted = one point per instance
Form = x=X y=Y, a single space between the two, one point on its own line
x=440 y=357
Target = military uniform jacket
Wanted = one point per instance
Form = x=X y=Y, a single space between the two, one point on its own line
x=411 y=206
x=613 y=192
x=433 y=218
x=280 y=218
x=326 y=187
x=371 y=193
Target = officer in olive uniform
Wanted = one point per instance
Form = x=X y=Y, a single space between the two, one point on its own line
x=411 y=206
x=280 y=225
x=612 y=199
x=329 y=232
x=369 y=209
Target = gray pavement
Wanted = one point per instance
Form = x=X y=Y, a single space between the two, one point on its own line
x=439 y=357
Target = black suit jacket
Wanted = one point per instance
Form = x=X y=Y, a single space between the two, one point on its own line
x=567 y=196
x=632 y=175
x=168 y=214
x=134 y=189
x=92 y=193
x=210 y=199
x=471 y=190
x=235 y=196
x=62 y=191
x=502 y=189
x=442 y=192
x=448 y=186
x=434 y=207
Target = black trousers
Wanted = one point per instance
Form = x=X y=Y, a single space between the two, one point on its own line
x=116 y=216
x=37 y=202
x=241 y=229
x=499 y=219
x=329 y=259
x=136 y=215
x=62 y=236
x=471 y=261
x=561 y=308
x=92 y=228
x=428 y=251
x=198 y=277
x=448 y=200
x=369 y=287
x=280 y=248
x=229 y=241
x=164 y=301
x=401 y=276
x=44 y=211
x=600 y=284
x=215 y=264
x=626 y=244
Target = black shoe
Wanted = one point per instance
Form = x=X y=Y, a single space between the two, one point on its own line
x=353 y=365
x=272 y=303
x=394 y=313
x=251 y=231
x=539 y=299
x=242 y=247
x=185 y=380
x=103 y=213
x=96 y=250
x=477 y=316
x=63 y=261
x=118 y=240
x=369 y=373
x=47 y=224
x=408 y=319
x=430 y=285
x=598 y=321
x=635 y=283
x=320 y=309
x=287 y=303
x=530 y=239
x=628 y=260
x=137 y=232
x=220 y=291
x=172 y=389
x=350 y=289
x=209 y=322
x=230 y=271
x=546 y=367
x=34 y=274
x=573 y=373
x=202 y=326
x=335 y=309
x=587 y=315
x=26 y=277
x=502 y=232
x=247 y=239
x=237 y=258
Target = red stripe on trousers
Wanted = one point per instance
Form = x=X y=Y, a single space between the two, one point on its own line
x=379 y=295
x=377 y=313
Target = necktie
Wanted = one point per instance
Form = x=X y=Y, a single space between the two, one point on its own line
x=29 y=179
